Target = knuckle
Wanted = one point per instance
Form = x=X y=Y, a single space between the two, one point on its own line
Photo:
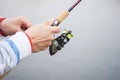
x=52 y=37
x=50 y=43
x=44 y=48
x=22 y=17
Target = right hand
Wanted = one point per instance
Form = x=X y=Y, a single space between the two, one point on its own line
x=42 y=35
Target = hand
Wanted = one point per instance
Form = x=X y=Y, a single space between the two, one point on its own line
x=12 y=25
x=42 y=35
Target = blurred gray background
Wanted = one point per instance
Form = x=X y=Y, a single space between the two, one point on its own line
x=92 y=54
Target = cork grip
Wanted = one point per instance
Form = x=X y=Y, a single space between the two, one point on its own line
x=62 y=16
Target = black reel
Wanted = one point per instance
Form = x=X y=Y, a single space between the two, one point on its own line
x=60 y=41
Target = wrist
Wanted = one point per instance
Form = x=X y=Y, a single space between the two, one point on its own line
x=1 y=32
x=22 y=43
x=29 y=41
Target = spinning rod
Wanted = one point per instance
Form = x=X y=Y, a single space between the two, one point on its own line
x=61 y=40
x=64 y=14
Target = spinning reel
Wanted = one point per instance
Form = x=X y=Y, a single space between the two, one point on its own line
x=60 y=41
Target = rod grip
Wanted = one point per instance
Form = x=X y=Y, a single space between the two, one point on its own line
x=62 y=16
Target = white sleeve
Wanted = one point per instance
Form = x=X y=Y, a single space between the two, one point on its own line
x=12 y=50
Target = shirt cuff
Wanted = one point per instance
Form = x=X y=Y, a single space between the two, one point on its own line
x=23 y=44
x=1 y=32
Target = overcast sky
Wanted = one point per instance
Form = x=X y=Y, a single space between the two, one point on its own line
x=92 y=54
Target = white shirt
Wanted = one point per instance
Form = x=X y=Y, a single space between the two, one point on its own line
x=12 y=50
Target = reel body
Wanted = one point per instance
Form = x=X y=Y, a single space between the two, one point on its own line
x=60 y=41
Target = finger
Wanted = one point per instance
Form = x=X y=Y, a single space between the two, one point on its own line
x=45 y=45
x=50 y=22
x=44 y=48
x=55 y=29
x=52 y=37
x=24 y=22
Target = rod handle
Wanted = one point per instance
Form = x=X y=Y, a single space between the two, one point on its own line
x=62 y=16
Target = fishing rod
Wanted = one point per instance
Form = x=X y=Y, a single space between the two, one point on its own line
x=64 y=38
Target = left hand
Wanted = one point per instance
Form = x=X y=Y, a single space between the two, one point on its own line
x=12 y=25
